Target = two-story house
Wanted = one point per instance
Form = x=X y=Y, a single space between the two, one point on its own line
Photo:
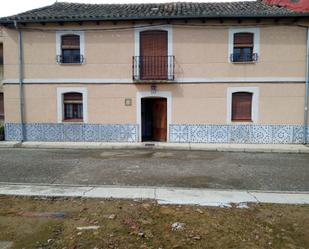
x=174 y=72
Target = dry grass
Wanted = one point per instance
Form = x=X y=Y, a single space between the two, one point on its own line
x=148 y=225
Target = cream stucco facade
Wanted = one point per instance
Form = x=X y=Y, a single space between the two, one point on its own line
x=199 y=98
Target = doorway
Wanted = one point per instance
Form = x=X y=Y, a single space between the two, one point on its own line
x=154 y=119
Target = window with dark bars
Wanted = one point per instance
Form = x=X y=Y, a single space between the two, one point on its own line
x=73 y=107
x=243 y=47
x=70 y=46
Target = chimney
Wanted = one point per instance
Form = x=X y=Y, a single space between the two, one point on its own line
x=296 y=5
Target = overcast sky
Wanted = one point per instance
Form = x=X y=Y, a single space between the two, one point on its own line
x=11 y=7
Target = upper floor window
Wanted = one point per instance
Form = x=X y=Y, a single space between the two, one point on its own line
x=70 y=48
x=73 y=107
x=242 y=106
x=1 y=54
x=244 y=45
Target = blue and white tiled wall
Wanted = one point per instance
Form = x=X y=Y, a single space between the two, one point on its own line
x=257 y=134
x=73 y=132
x=253 y=134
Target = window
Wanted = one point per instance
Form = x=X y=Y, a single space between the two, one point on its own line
x=73 y=107
x=1 y=54
x=70 y=47
x=1 y=107
x=242 y=106
x=244 y=45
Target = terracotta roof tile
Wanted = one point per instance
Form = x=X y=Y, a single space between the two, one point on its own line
x=63 y=11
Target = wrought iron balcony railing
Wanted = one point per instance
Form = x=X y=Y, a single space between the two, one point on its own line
x=249 y=57
x=72 y=59
x=153 y=68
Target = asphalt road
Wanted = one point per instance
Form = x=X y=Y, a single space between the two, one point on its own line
x=198 y=169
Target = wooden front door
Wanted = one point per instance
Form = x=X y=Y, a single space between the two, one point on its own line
x=159 y=120
x=153 y=55
x=154 y=119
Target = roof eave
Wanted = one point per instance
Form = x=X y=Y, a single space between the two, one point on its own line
x=53 y=20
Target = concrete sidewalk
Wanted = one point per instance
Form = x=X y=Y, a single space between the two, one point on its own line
x=179 y=196
x=267 y=148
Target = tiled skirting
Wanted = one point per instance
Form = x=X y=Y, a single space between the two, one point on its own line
x=73 y=132
x=254 y=134
x=257 y=134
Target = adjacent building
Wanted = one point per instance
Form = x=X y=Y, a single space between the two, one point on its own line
x=174 y=72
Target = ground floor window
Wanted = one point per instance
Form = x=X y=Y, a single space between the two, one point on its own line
x=73 y=107
x=242 y=106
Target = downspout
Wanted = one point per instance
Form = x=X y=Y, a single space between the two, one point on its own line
x=306 y=93
x=21 y=80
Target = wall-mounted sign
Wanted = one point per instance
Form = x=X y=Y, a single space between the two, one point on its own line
x=128 y=102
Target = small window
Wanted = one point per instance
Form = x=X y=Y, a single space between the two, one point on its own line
x=73 y=107
x=70 y=49
x=243 y=48
x=242 y=107
x=1 y=54
x=1 y=107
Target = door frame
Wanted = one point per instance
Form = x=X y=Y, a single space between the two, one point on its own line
x=149 y=94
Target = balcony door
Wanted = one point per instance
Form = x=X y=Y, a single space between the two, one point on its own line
x=153 y=55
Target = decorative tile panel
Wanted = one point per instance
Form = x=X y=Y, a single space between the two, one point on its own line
x=238 y=133
x=179 y=133
x=282 y=134
x=191 y=133
x=199 y=133
x=219 y=133
x=12 y=132
x=73 y=132
x=261 y=134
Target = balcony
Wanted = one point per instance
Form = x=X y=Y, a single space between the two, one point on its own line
x=244 y=58
x=70 y=59
x=153 y=68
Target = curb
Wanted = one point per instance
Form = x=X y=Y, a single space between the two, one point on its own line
x=250 y=148
x=179 y=196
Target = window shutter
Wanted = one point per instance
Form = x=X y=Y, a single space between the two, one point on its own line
x=72 y=98
x=243 y=39
x=70 y=42
x=242 y=106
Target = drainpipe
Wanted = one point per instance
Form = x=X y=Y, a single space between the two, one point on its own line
x=21 y=81
x=306 y=92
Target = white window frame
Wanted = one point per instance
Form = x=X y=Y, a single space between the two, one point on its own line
x=254 y=105
x=139 y=28
x=140 y=95
x=81 y=35
x=60 y=106
x=256 y=39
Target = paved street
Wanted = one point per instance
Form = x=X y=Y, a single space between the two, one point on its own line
x=201 y=169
